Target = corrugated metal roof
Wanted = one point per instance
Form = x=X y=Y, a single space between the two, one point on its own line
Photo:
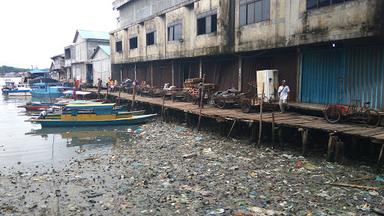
x=91 y=35
x=39 y=71
x=106 y=49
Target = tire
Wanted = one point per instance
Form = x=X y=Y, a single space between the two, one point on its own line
x=332 y=114
x=220 y=104
x=246 y=108
x=373 y=117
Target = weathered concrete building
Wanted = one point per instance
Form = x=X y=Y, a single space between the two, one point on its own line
x=57 y=69
x=78 y=55
x=101 y=64
x=328 y=50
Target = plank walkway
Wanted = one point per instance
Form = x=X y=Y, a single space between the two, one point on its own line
x=284 y=119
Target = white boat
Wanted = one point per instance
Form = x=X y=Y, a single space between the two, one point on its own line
x=16 y=90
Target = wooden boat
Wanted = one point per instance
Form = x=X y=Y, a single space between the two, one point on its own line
x=40 y=106
x=74 y=115
x=36 y=106
x=122 y=114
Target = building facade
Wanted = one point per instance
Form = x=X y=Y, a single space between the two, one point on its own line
x=57 y=69
x=329 y=51
x=78 y=61
x=101 y=64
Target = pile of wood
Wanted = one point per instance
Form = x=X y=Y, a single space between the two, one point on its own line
x=192 y=82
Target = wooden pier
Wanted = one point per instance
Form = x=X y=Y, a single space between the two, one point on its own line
x=303 y=123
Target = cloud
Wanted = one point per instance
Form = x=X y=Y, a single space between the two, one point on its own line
x=34 y=31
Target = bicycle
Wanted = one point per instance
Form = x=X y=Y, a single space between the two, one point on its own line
x=335 y=113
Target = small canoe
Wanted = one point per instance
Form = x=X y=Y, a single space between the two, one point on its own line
x=121 y=114
x=133 y=120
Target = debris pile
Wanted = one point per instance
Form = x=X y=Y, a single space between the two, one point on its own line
x=166 y=169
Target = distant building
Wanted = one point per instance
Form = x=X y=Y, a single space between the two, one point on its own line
x=78 y=62
x=101 y=64
x=328 y=51
x=57 y=69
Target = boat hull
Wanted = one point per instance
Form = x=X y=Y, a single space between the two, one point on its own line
x=121 y=121
x=16 y=92
x=46 y=95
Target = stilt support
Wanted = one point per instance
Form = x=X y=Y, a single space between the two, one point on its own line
x=335 y=148
x=281 y=137
x=304 y=139
x=230 y=131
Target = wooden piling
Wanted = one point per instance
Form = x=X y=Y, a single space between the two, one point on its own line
x=119 y=98
x=162 y=107
x=281 y=137
x=381 y=150
x=252 y=132
x=381 y=154
x=335 y=148
x=331 y=146
x=273 y=129
x=201 y=103
x=230 y=131
x=133 y=96
x=339 y=151
x=261 y=116
x=304 y=139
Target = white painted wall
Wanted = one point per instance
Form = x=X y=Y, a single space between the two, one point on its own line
x=101 y=67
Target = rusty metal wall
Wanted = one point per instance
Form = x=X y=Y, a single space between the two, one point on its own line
x=162 y=73
x=286 y=65
x=143 y=72
x=249 y=67
x=223 y=72
x=128 y=71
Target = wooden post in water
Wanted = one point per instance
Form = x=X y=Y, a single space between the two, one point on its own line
x=381 y=154
x=106 y=96
x=304 y=139
x=133 y=95
x=339 y=151
x=201 y=104
x=261 y=116
x=162 y=107
x=331 y=147
x=273 y=128
x=118 y=100
x=230 y=131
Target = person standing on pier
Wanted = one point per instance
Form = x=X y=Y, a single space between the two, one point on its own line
x=283 y=96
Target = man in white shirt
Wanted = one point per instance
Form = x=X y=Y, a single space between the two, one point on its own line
x=283 y=96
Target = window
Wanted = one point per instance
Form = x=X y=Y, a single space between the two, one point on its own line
x=133 y=43
x=207 y=24
x=151 y=38
x=175 y=32
x=67 y=53
x=253 y=11
x=311 y=4
x=119 y=46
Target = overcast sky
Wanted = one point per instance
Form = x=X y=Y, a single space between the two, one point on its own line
x=32 y=31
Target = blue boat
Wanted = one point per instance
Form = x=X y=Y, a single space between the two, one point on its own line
x=48 y=90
